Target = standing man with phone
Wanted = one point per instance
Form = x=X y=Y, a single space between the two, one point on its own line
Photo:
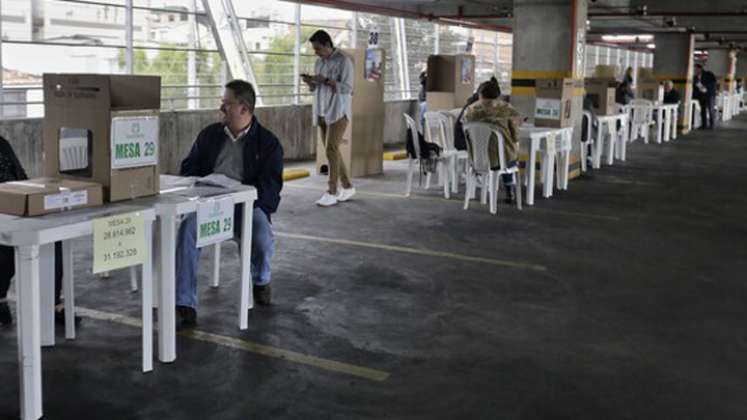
x=332 y=85
x=705 y=92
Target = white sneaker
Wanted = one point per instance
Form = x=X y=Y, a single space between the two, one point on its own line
x=327 y=200
x=345 y=194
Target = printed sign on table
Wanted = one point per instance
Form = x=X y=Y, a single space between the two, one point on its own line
x=214 y=221
x=548 y=109
x=118 y=242
x=134 y=142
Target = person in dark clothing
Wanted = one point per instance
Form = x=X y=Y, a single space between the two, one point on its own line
x=240 y=148
x=11 y=170
x=628 y=77
x=671 y=96
x=422 y=97
x=624 y=93
x=704 y=91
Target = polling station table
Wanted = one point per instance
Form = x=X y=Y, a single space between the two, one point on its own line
x=607 y=125
x=178 y=199
x=122 y=234
x=666 y=121
x=552 y=143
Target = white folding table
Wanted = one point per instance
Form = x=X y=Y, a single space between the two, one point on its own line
x=537 y=137
x=33 y=239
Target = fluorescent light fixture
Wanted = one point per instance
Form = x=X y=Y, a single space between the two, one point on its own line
x=627 y=38
x=651 y=46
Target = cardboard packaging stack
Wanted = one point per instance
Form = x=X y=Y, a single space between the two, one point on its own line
x=38 y=196
x=601 y=92
x=451 y=81
x=103 y=129
x=553 y=103
x=648 y=87
x=605 y=71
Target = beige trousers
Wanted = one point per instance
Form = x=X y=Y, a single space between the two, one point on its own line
x=331 y=136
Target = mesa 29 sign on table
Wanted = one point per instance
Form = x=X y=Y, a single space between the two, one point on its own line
x=134 y=142
x=214 y=221
x=118 y=242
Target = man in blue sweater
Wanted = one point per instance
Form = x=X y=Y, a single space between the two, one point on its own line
x=241 y=149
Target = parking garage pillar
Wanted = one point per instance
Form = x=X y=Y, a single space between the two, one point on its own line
x=673 y=60
x=549 y=43
x=741 y=73
x=722 y=62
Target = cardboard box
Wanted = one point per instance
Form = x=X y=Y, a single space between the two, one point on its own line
x=605 y=71
x=450 y=81
x=650 y=90
x=553 y=103
x=646 y=74
x=601 y=92
x=104 y=129
x=39 y=196
x=362 y=145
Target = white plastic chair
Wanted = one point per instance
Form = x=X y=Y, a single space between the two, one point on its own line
x=587 y=144
x=461 y=161
x=478 y=136
x=414 y=163
x=437 y=131
x=642 y=119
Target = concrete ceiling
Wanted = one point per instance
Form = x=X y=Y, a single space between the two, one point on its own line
x=723 y=21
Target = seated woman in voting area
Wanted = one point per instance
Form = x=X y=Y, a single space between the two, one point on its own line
x=11 y=170
x=240 y=148
x=490 y=109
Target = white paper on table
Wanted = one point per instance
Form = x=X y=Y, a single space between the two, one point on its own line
x=218 y=180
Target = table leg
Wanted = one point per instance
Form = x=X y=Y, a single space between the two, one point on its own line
x=68 y=288
x=667 y=124
x=29 y=336
x=47 y=290
x=216 y=265
x=548 y=159
x=597 y=158
x=611 y=145
x=659 y=124
x=146 y=294
x=167 y=304
x=531 y=172
x=246 y=300
x=675 y=118
x=156 y=248
x=566 y=168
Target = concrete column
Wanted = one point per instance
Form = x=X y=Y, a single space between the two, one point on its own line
x=549 y=43
x=741 y=72
x=673 y=60
x=722 y=62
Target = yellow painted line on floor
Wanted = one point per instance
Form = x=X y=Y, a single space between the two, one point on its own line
x=248 y=346
x=416 y=251
x=291 y=174
x=398 y=155
x=461 y=202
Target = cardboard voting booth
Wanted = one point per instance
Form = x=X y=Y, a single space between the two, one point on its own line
x=601 y=92
x=103 y=129
x=362 y=146
x=450 y=82
x=607 y=71
x=553 y=103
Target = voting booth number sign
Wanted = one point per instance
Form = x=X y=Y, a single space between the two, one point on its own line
x=118 y=242
x=134 y=142
x=214 y=221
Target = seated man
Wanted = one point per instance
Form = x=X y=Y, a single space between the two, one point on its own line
x=671 y=96
x=241 y=149
x=490 y=109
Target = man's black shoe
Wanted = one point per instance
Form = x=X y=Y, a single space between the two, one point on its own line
x=186 y=317
x=5 y=317
x=262 y=295
x=59 y=317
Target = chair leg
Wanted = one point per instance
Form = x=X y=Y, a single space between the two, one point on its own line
x=484 y=190
x=445 y=170
x=492 y=192
x=453 y=174
x=410 y=172
x=428 y=180
x=468 y=190
x=583 y=157
x=517 y=183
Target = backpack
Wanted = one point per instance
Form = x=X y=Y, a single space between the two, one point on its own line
x=427 y=150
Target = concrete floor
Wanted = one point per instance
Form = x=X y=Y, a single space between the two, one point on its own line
x=621 y=298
